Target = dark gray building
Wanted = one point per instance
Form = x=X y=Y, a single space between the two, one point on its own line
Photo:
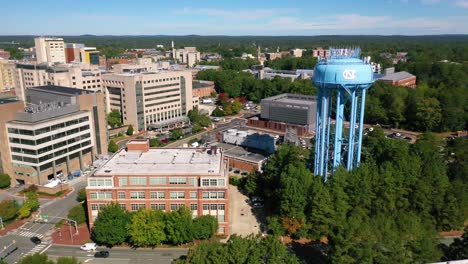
x=291 y=108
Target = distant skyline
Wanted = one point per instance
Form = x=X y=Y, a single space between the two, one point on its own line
x=239 y=17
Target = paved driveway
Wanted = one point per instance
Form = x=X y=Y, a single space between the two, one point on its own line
x=241 y=220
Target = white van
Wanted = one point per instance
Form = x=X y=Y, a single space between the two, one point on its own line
x=89 y=247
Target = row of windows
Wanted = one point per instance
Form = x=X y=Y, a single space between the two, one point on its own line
x=100 y=195
x=51 y=155
x=156 y=181
x=48 y=138
x=213 y=195
x=161 y=86
x=157 y=195
x=47 y=129
x=162 y=97
x=100 y=182
x=162 y=80
x=164 y=102
x=213 y=207
x=51 y=147
x=213 y=182
x=162 y=108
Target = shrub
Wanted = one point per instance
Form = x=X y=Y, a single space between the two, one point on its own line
x=8 y=209
x=234 y=181
x=78 y=214
x=5 y=180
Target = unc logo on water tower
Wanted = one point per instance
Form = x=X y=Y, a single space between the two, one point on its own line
x=349 y=74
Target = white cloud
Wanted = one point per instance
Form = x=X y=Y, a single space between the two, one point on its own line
x=462 y=3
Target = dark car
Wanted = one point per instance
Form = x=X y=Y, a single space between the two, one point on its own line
x=101 y=254
x=36 y=240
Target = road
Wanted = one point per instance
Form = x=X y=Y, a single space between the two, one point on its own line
x=219 y=127
x=119 y=255
x=21 y=237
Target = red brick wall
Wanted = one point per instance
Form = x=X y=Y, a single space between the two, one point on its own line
x=280 y=127
x=137 y=145
x=242 y=165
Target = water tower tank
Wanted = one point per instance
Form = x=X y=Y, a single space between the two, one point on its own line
x=342 y=77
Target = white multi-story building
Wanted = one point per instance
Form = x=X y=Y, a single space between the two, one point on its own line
x=187 y=55
x=50 y=50
x=59 y=130
x=150 y=99
x=7 y=74
x=78 y=75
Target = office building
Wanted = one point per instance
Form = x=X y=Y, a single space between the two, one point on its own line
x=4 y=54
x=56 y=131
x=397 y=78
x=77 y=52
x=7 y=74
x=187 y=55
x=320 y=52
x=50 y=50
x=150 y=100
x=76 y=75
x=164 y=179
x=287 y=111
x=296 y=52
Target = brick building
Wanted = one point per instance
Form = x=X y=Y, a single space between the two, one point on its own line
x=398 y=78
x=203 y=88
x=164 y=179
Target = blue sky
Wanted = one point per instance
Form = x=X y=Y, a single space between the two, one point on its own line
x=234 y=17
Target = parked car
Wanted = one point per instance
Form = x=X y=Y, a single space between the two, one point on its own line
x=255 y=199
x=258 y=205
x=36 y=240
x=101 y=254
x=70 y=176
x=89 y=246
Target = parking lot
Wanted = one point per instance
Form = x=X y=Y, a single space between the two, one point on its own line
x=242 y=220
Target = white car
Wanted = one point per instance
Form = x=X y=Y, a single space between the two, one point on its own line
x=89 y=247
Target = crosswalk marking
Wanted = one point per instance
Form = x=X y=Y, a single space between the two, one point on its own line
x=29 y=234
x=37 y=249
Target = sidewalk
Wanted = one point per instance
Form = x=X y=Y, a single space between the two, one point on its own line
x=15 y=225
x=62 y=235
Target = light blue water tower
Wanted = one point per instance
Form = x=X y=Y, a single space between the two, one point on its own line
x=340 y=78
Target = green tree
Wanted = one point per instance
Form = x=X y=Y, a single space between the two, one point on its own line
x=147 y=228
x=114 y=119
x=458 y=250
x=250 y=249
x=67 y=260
x=81 y=195
x=204 y=227
x=5 y=180
x=179 y=226
x=217 y=112
x=30 y=204
x=110 y=227
x=78 y=214
x=8 y=209
x=236 y=106
x=130 y=130
x=155 y=142
x=112 y=147
x=36 y=259
x=176 y=134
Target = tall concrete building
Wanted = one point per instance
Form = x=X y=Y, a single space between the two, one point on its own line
x=77 y=75
x=57 y=130
x=77 y=52
x=163 y=179
x=187 y=55
x=150 y=99
x=7 y=74
x=50 y=50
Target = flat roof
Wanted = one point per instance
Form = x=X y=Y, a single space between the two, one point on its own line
x=397 y=76
x=62 y=89
x=239 y=152
x=164 y=161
